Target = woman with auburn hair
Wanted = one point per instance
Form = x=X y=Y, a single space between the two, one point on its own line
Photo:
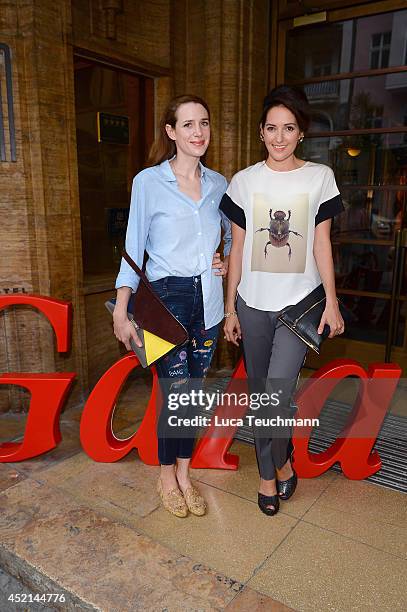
x=174 y=217
x=281 y=211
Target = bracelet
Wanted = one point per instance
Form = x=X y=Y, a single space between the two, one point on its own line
x=229 y=314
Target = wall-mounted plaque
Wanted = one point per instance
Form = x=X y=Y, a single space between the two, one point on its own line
x=113 y=128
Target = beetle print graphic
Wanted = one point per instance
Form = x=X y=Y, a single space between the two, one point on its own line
x=279 y=231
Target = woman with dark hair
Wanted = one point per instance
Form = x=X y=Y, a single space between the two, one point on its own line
x=281 y=211
x=175 y=217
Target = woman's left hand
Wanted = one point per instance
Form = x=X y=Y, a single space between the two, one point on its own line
x=220 y=267
x=332 y=317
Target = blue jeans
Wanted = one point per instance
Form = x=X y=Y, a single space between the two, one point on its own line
x=186 y=365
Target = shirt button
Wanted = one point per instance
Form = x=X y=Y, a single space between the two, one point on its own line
x=213 y=201
x=196 y=212
x=199 y=233
x=201 y=254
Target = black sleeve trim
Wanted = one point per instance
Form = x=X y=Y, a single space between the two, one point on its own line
x=329 y=209
x=233 y=211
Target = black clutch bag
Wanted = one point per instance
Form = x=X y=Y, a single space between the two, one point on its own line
x=303 y=318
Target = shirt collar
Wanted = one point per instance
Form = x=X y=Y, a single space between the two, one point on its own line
x=169 y=175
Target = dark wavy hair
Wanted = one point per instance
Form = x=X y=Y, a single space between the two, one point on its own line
x=163 y=147
x=292 y=98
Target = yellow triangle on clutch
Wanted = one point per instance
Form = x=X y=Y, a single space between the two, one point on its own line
x=155 y=346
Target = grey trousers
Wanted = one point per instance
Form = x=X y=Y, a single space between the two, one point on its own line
x=273 y=356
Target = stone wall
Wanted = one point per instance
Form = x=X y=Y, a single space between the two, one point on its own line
x=40 y=239
x=216 y=48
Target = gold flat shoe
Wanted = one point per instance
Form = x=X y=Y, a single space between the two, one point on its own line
x=195 y=502
x=173 y=501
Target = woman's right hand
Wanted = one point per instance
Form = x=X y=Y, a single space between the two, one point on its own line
x=124 y=330
x=232 y=329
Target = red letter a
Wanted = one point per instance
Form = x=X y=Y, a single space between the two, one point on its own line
x=353 y=449
x=97 y=437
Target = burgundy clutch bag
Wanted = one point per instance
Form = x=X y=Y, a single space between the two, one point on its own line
x=158 y=329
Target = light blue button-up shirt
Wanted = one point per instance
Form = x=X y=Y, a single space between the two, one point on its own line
x=179 y=234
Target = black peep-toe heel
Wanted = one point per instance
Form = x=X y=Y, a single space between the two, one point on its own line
x=286 y=488
x=268 y=500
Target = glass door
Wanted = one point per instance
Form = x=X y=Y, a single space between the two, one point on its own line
x=114 y=112
x=114 y=131
x=353 y=70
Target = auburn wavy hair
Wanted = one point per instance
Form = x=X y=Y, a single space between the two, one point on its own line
x=163 y=147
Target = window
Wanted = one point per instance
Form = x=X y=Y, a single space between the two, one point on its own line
x=380 y=50
x=374 y=119
x=319 y=69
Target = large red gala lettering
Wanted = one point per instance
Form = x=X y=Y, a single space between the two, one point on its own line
x=353 y=449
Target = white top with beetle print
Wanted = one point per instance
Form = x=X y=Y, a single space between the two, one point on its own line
x=279 y=211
